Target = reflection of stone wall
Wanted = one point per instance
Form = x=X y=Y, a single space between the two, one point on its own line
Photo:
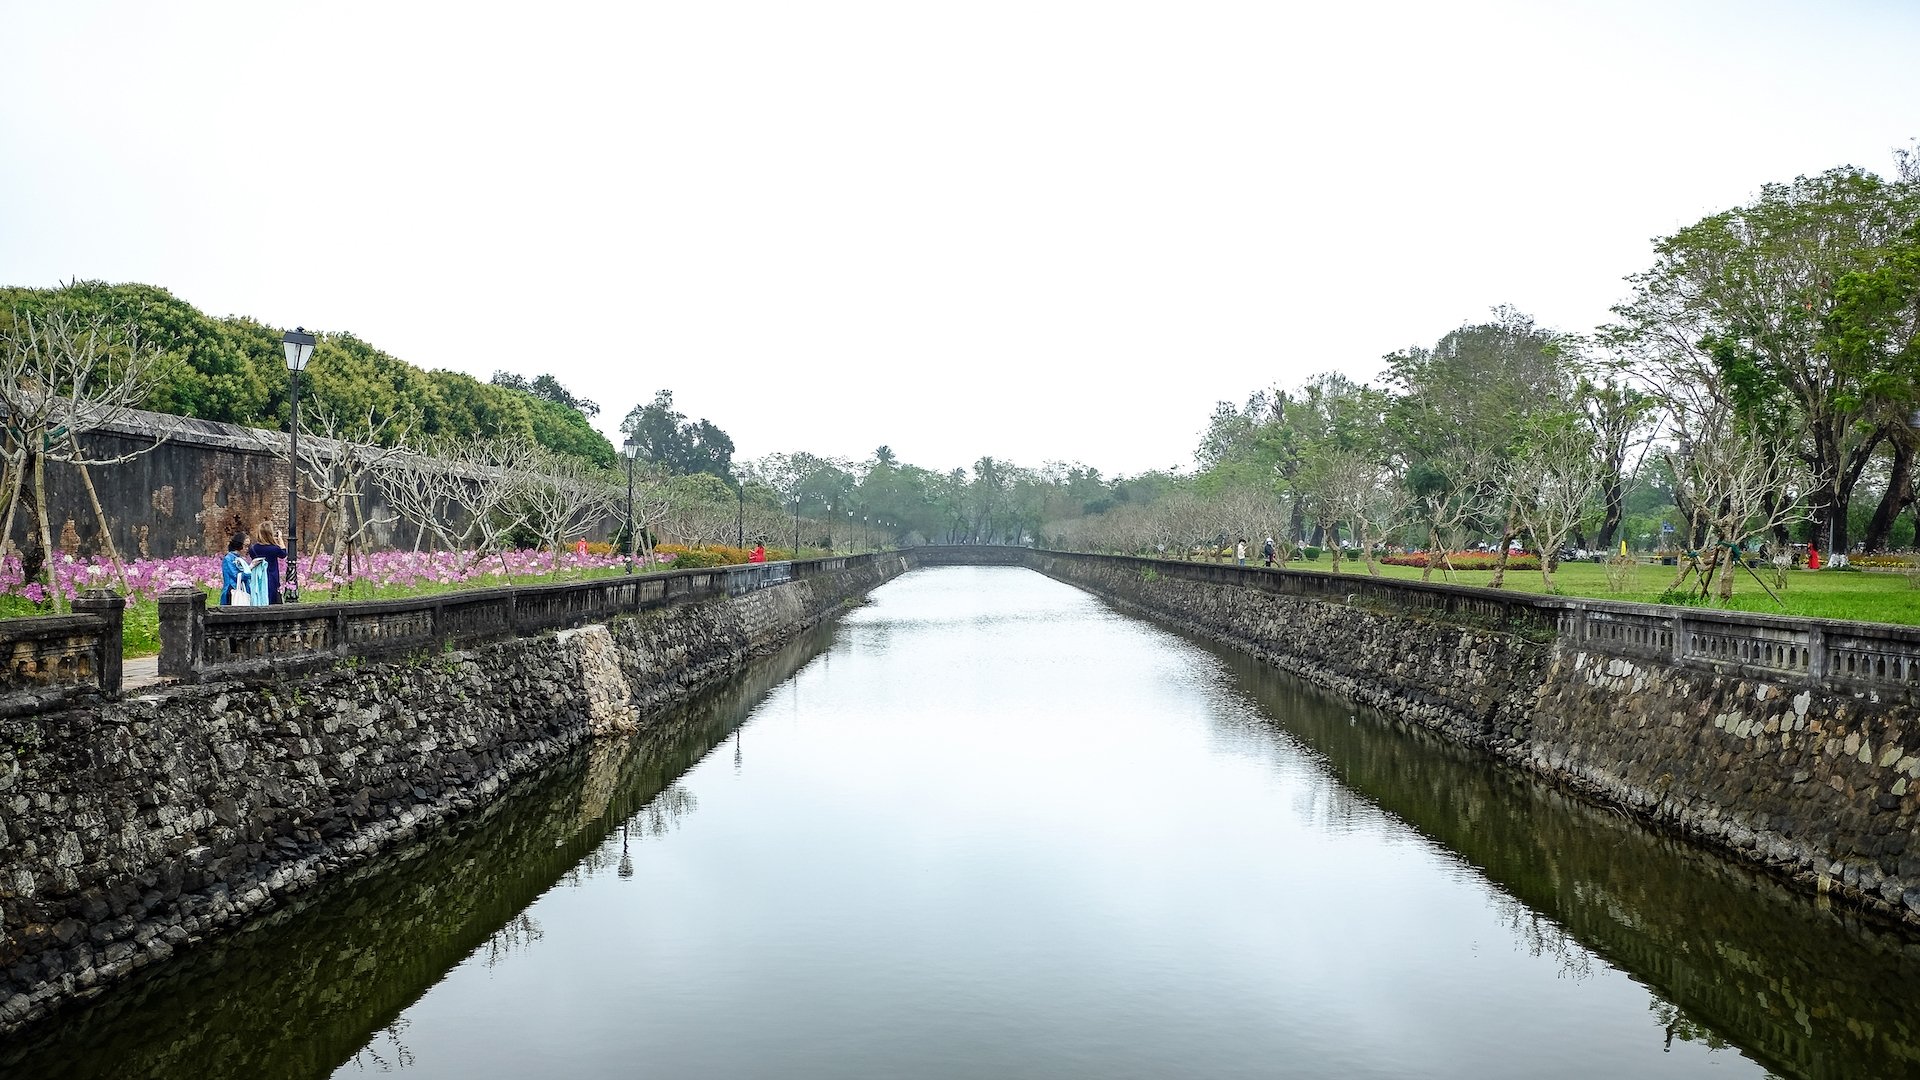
x=1820 y=782
x=1801 y=990
x=133 y=828
x=301 y=992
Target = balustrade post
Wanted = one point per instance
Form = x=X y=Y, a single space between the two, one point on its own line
x=183 y=630
x=111 y=609
x=1679 y=637
x=1817 y=652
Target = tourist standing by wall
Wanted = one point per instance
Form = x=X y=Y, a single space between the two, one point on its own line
x=267 y=551
x=234 y=567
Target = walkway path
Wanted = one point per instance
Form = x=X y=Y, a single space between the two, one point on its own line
x=139 y=672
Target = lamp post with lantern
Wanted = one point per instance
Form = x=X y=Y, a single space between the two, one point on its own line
x=299 y=346
x=630 y=450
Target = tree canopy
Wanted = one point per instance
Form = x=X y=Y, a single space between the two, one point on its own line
x=233 y=370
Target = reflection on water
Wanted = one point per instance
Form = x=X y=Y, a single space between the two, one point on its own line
x=326 y=979
x=998 y=829
x=1736 y=959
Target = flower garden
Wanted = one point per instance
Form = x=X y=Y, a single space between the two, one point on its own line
x=371 y=574
x=378 y=575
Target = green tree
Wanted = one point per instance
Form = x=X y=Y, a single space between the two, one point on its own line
x=1462 y=410
x=667 y=438
x=1745 y=306
x=547 y=388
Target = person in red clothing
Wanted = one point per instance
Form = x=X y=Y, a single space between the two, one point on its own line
x=759 y=553
x=1813 y=557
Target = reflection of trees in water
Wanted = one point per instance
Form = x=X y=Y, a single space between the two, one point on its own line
x=606 y=757
x=1679 y=1025
x=1543 y=938
x=348 y=958
x=1333 y=808
x=663 y=814
x=520 y=933
x=397 y=1056
x=1731 y=958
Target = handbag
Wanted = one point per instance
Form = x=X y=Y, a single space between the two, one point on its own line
x=241 y=594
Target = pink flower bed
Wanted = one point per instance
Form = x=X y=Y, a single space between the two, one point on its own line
x=148 y=578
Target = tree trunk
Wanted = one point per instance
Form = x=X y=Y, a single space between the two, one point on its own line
x=1769 y=504
x=1499 y=579
x=15 y=484
x=1899 y=492
x=46 y=533
x=1614 y=498
x=100 y=516
x=1433 y=546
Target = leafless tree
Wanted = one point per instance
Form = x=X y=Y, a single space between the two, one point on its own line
x=702 y=509
x=1735 y=483
x=1550 y=485
x=469 y=493
x=1449 y=505
x=63 y=375
x=1174 y=522
x=1248 y=513
x=340 y=462
x=1345 y=486
x=564 y=497
x=411 y=482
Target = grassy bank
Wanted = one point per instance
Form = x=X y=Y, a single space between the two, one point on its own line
x=1867 y=596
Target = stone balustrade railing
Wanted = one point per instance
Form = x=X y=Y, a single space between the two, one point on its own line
x=1865 y=657
x=48 y=660
x=51 y=660
x=198 y=642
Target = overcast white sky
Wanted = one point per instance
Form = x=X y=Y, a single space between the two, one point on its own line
x=1038 y=230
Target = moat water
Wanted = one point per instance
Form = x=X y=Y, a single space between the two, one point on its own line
x=987 y=826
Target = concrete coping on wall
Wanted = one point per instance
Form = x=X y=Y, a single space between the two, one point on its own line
x=198 y=643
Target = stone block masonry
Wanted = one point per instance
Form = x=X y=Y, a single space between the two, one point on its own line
x=1814 y=777
x=133 y=828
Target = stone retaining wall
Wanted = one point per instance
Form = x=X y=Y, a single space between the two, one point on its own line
x=129 y=829
x=1815 y=778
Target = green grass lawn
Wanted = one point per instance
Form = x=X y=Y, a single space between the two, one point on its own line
x=1868 y=596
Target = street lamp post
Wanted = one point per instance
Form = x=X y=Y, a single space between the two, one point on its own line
x=299 y=346
x=631 y=449
x=740 y=514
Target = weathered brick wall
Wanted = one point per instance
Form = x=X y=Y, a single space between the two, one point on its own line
x=129 y=829
x=186 y=496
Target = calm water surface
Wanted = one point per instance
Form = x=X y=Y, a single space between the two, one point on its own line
x=986 y=826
